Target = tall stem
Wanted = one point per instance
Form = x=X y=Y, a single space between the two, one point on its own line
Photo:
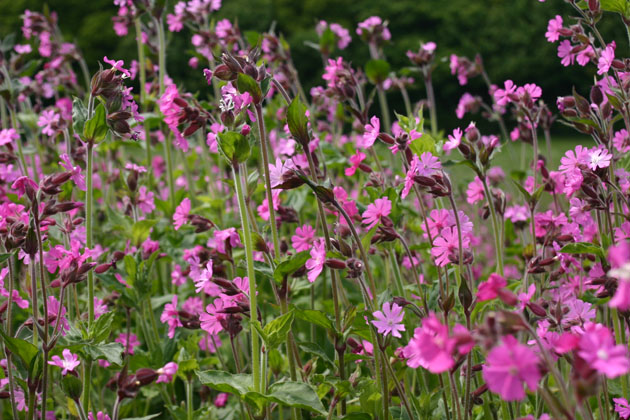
x=189 y=399
x=142 y=74
x=265 y=156
x=495 y=226
x=10 y=334
x=88 y=226
x=18 y=142
x=431 y=97
x=249 y=256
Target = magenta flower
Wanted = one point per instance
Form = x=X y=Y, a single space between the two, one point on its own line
x=597 y=347
x=501 y=96
x=510 y=367
x=129 y=342
x=7 y=136
x=409 y=177
x=606 y=58
x=303 y=238
x=432 y=348
x=145 y=200
x=381 y=207
x=170 y=316
x=446 y=245
x=355 y=160
x=389 y=320
x=47 y=120
x=495 y=287
x=622 y=407
x=553 y=29
x=619 y=256
x=167 y=372
x=117 y=65
x=67 y=364
x=181 y=213
x=221 y=399
x=315 y=264
x=75 y=171
x=599 y=158
x=211 y=319
x=371 y=132
x=22 y=184
x=99 y=416
x=429 y=164
x=203 y=279
x=475 y=191
x=453 y=140
x=565 y=53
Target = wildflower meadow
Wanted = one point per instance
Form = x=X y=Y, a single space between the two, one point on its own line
x=259 y=250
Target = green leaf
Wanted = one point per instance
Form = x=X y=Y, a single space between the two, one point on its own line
x=4 y=257
x=290 y=266
x=377 y=71
x=524 y=192
x=246 y=83
x=141 y=230
x=234 y=146
x=298 y=121
x=583 y=248
x=423 y=144
x=315 y=317
x=101 y=327
x=237 y=383
x=131 y=267
x=315 y=349
x=618 y=6
x=95 y=128
x=21 y=348
x=112 y=352
x=79 y=115
x=278 y=329
x=297 y=395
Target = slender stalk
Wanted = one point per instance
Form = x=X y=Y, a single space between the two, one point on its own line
x=268 y=190
x=431 y=97
x=189 y=399
x=249 y=256
x=34 y=298
x=18 y=142
x=142 y=74
x=88 y=225
x=495 y=226
x=10 y=334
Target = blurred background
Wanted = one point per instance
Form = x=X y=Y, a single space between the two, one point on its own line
x=509 y=34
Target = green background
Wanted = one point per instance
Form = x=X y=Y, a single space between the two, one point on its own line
x=508 y=33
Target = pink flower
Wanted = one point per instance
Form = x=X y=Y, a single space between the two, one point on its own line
x=181 y=213
x=509 y=366
x=501 y=96
x=495 y=287
x=315 y=264
x=429 y=164
x=381 y=207
x=53 y=309
x=211 y=319
x=599 y=158
x=117 y=65
x=432 y=348
x=622 y=407
x=203 y=280
x=100 y=415
x=355 y=160
x=445 y=245
x=619 y=256
x=453 y=140
x=606 y=58
x=303 y=238
x=167 y=372
x=574 y=159
x=598 y=349
x=221 y=400
x=565 y=53
x=553 y=29
x=7 y=136
x=22 y=184
x=389 y=320
x=68 y=363
x=46 y=120
x=75 y=171
x=130 y=342
x=371 y=133
x=145 y=200
x=170 y=316
x=409 y=177
x=475 y=191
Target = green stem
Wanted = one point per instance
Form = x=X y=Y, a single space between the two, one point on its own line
x=431 y=97
x=189 y=399
x=10 y=334
x=88 y=225
x=18 y=142
x=495 y=226
x=265 y=156
x=249 y=256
